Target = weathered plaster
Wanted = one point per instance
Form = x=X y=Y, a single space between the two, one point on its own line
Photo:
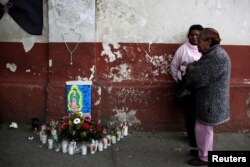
x=11 y=66
x=67 y=14
x=120 y=73
x=28 y=43
x=159 y=21
x=248 y=105
x=99 y=92
x=112 y=56
x=160 y=63
x=91 y=77
x=126 y=114
x=133 y=95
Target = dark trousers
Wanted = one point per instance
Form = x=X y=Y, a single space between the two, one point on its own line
x=190 y=119
x=187 y=102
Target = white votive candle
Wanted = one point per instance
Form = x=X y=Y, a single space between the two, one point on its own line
x=125 y=130
x=44 y=138
x=100 y=146
x=71 y=149
x=64 y=146
x=43 y=128
x=105 y=143
x=118 y=133
x=109 y=140
x=92 y=148
x=50 y=143
x=84 y=149
x=113 y=139
x=54 y=134
x=57 y=147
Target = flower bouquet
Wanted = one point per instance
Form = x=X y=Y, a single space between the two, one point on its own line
x=76 y=127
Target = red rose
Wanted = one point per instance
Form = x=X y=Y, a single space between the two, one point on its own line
x=64 y=126
x=96 y=127
x=87 y=119
x=85 y=126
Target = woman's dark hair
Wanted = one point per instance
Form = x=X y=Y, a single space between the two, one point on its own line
x=194 y=27
x=212 y=34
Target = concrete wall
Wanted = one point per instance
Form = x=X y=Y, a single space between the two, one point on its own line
x=125 y=47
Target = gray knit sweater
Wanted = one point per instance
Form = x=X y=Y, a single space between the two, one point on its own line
x=211 y=80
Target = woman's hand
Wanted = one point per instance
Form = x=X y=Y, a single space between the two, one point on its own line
x=190 y=67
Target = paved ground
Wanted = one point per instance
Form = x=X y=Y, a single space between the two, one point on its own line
x=138 y=149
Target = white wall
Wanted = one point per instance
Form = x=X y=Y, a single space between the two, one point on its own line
x=113 y=21
x=167 y=21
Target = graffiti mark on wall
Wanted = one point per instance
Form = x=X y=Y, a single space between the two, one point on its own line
x=133 y=95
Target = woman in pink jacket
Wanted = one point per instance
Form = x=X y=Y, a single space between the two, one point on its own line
x=185 y=54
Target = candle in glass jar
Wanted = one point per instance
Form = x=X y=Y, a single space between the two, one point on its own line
x=84 y=150
x=50 y=143
x=54 y=134
x=100 y=146
x=71 y=149
x=105 y=143
x=64 y=146
x=57 y=147
x=113 y=139
x=92 y=148
x=118 y=133
x=109 y=140
x=125 y=130
x=43 y=128
x=44 y=138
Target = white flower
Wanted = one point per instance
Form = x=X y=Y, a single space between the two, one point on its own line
x=77 y=121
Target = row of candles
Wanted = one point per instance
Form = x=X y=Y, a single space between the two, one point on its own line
x=71 y=147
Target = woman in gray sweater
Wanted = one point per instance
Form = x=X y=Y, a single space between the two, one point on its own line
x=210 y=76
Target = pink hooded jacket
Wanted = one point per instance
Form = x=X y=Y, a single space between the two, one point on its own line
x=185 y=54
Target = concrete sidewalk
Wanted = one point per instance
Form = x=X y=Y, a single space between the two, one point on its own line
x=138 y=149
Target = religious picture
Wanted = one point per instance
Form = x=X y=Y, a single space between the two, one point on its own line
x=78 y=97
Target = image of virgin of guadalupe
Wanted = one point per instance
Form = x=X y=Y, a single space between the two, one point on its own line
x=74 y=100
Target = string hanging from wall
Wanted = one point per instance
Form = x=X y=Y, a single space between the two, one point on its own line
x=71 y=50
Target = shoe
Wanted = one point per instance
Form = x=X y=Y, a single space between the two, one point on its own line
x=193 y=144
x=197 y=162
x=194 y=152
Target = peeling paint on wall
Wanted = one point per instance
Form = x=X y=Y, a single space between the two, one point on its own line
x=108 y=52
x=160 y=63
x=92 y=69
x=110 y=89
x=120 y=73
x=125 y=114
x=28 y=43
x=99 y=92
x=50 y=62
x=248 y=105
x=11 y=66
